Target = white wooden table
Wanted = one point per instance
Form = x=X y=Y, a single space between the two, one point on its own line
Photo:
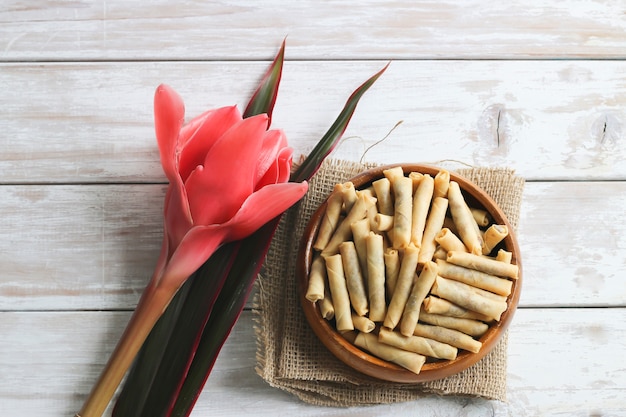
x=535 y=86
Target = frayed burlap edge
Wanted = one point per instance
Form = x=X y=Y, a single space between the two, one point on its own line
x=290 y=357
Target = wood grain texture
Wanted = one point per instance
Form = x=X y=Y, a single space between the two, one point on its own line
x=94 y=246
x=370 y=29
x=539 y=361
x=535 y=86
x=549 y=120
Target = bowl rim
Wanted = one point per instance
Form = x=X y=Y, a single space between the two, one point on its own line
x=363 y=361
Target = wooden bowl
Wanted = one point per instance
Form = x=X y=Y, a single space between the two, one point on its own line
x=370 y=365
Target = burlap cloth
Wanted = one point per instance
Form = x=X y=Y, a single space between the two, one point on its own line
x=289 y=355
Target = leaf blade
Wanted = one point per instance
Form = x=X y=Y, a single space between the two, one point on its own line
x=264 y=97
x=329 y=141
x=151 y=373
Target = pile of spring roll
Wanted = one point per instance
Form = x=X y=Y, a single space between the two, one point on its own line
x=406 y=269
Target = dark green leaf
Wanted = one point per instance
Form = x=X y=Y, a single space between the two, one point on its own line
x=160 y=367
x=197 y=307
x=328 y=142
x=228 y=306
x=264 y=97
x=141 y=376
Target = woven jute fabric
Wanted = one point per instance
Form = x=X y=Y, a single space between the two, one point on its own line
x=289 y=355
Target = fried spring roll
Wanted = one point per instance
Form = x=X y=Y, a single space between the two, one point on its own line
x=393 y=173
x=471 y=327
x=382 y=222
x=436 y=305
x=416 y=177
x=481 y=263
x=363 y=324
x=354 y=278
x=409 y=360
x=440 y=253
x=344 y=230
x=376 y=277
x=327 y=309
x=449 y=241
x=360 y=231
x=475 y=278
x=317 y=280
x=433 y=226
x=442 y=183
x=348 y=194
x=449 y=336
x=504 y=256
x=481 y=216
x=382 y=188
x=493 y=235
x=420 y=290
x=467 y=297
x=392 y=269
x=339 y=292
x=369 y=191
x=403 y=285
x=422 y=345
x=421 y=203
x=465 y=224
x=330 y=219
x=403 y=209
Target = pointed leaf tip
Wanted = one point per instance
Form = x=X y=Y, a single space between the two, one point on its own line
x=264 y=97
x=328 y=142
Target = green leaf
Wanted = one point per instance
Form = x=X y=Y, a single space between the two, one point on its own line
x=141 y=376
x=328 y=142
x=160 y=368
x=194 y=314
x=228 y=307
x=264 y=97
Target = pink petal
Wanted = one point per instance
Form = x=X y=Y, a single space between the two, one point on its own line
x=262 y=206
x=191 y=126
x=202 y=241
x=279 y=171
x=193 y=251
x=202 y=134
x=217 y=189
x=273 y=142
x=177 y=215
x=169 y=113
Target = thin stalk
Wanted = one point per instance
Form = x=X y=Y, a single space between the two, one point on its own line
x=152 y=303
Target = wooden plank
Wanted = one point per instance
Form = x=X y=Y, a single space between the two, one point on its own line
x=94 y=246
x=544 y=377
x=548 y=120
x=78 y=247
x=372 y=29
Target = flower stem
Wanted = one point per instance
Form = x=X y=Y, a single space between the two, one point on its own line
x=151 y=305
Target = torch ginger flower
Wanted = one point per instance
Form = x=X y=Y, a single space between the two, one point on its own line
x=228 y=176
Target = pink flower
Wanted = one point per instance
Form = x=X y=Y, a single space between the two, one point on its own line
x=227 y=177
